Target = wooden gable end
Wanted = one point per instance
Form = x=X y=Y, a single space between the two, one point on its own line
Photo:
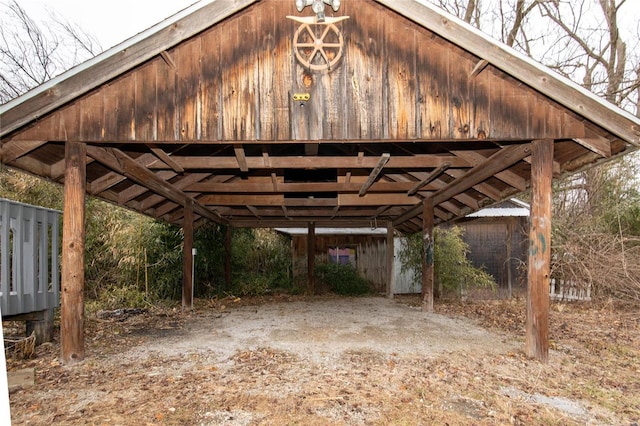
x=240 y=80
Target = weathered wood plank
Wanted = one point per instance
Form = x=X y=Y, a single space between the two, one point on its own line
x=364 y=49
x=166 y=109
x=120 y=109
x=188 y=95
x=480 y=115
x=401 y=96
x=460 y=66
x=146 y=102
x=210 y=84
x=92 y=116
x=266 y=102
x=433 y=114
x=598 y=145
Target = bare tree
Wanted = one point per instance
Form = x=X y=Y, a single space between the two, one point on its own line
x=33 y=52
x=468 y=10
x=580 y=39
x=596 y=239
x=601 y=54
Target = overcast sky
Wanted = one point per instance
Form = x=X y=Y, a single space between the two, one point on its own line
x=113 y=21
x=110 y=21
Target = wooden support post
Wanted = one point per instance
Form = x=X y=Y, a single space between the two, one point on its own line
x=427 y=259
x=73 y=240
x=511 y=222
x=390 y=261
x=311 y=258
x=228 y=236
x=537 y=321
x=187 y=278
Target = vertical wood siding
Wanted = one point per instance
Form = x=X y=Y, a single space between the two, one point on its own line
x=236 y=82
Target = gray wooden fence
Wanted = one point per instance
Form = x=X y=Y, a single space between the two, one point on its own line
x=29 y=258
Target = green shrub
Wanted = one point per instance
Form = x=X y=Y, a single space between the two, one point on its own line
x=261 y=262
x=342 y=279
x=116 y=297
x=454 y=272
x=165 y=260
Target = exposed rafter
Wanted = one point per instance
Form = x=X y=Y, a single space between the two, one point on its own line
x=497 y=162
x=384 y=158
x=430 y=178
x=127 y=166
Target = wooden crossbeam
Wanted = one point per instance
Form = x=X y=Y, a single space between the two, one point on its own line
x=335 y=211
x=12 y=150
x=506 y=176
x=483 y=188
x=279 y=200
x=600 y=146
x=384 y=158
x=482 y=64
x=430 y=178
x=166 y=158
x=254 y=211
x=240 y=158
x=134 y=191
x=314 y=162
x=105 y=182
x=168 y=59
x=499 y=161
x=120 y=162
x=112 y=178
x=155 y=199
x=283 y=188
x=322 y=222
x=271 y=212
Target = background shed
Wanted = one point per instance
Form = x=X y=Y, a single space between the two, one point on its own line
x=498 y=242
x=364 y=248
x=497 y=237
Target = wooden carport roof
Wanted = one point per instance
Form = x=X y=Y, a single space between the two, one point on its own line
x=212 y=105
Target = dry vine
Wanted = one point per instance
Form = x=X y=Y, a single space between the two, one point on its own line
x=610 y=264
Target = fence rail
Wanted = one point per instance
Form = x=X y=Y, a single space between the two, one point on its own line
x=569 y=291
x=29 y=262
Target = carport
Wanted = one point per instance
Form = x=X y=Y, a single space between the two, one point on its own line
x=250 y=113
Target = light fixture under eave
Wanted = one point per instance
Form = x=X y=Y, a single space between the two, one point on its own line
x=318 y=6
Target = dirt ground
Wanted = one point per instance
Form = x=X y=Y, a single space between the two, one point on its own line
x=340 y=361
